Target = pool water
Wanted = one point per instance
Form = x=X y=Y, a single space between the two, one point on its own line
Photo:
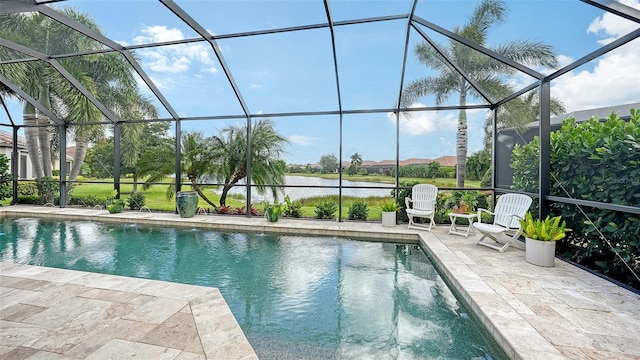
x=294 y=297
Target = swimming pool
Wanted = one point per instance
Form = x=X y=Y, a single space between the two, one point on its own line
x=294 y=297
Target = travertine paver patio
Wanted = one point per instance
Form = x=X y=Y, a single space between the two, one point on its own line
x=48 y=313
x=534 y=313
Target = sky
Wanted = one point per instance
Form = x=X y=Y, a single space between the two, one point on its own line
x=294 y=71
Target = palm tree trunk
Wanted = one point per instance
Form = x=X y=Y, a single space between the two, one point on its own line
x=462 y=139
x=223 y=196
x=135 y=181
x=239 y=174
x=31 y=137
x=194 y=185
x=81 y=151
x=43 y=133
x=44 y=140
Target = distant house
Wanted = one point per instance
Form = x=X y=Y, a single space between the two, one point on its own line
x=450 y=161
x=25 y=167
x=71 y=152
x=387 y=166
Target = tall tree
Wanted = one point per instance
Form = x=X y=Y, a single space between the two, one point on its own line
x=517 y=113
x=328 y=163
x=484 y=71
x=107 y=76
x=267 y=148
x=356 y=160
x=223 y=158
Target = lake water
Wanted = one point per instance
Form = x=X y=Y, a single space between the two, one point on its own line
x=296 y=193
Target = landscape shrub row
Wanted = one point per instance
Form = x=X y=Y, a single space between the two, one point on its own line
x=598 y=161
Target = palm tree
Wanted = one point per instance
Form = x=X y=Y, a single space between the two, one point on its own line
x=356 y=160
x=484 y=71
x=223 y=158
x=267 y=147
x=518 y=112
x=107 y=76
x=43 y=83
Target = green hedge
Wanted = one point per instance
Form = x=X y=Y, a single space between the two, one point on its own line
x=597 y=161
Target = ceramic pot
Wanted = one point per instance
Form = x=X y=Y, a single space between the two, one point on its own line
x=187 y=203
x=389 y=218
x=541 y=253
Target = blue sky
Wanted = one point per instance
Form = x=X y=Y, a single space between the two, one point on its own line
x=293 y=71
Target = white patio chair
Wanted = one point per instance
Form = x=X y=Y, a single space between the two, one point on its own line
x=423 y=198
x=509 y=209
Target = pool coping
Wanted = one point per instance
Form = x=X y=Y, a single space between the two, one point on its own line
x=530 y=311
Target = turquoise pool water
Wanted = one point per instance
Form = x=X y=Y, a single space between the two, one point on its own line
x=294 y=297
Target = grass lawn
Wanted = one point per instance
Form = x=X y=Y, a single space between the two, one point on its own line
x=156 y=198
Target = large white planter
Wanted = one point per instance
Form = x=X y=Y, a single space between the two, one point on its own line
x=541 y=253
x=388 y=218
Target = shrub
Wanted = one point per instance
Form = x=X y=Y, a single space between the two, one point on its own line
x=48 y=190
x=88 y=200
x=294 y=208
x=6 y=186
x=358 y=211
x=27 y=188
x=29 y=199
x=326 y=209
x=486 y=179
x=478 y=164
x=597 y=161
x=136 y=200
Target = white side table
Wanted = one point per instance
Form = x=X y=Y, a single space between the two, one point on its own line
x=453 y=229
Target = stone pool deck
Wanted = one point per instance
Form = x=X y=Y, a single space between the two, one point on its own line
x=533 y=312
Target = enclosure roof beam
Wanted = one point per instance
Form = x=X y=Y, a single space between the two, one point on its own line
x=15 y=88
x=45 y=10
x=6 y=110
x=184 y=16
x=335 y=56
x=501 y=58
x=453 y=64
x=616 y=8
x=56 y=65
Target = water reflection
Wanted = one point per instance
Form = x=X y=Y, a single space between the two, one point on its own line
x=294 y=297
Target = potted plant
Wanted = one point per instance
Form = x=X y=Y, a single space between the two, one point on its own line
x=115 y=206
x=541 y=237
x=389 y=210
x=273 y=211
x=467 y=204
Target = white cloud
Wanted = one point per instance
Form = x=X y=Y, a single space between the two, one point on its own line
x=173 y=59
x=418 y=123
x=255 y=86
x=211 y=70
x=301 y=140
x=611 y=27
x=615 y=77
x=564 y=60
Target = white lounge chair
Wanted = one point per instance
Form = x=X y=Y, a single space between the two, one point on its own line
x=509 y=209
x=423 y=198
